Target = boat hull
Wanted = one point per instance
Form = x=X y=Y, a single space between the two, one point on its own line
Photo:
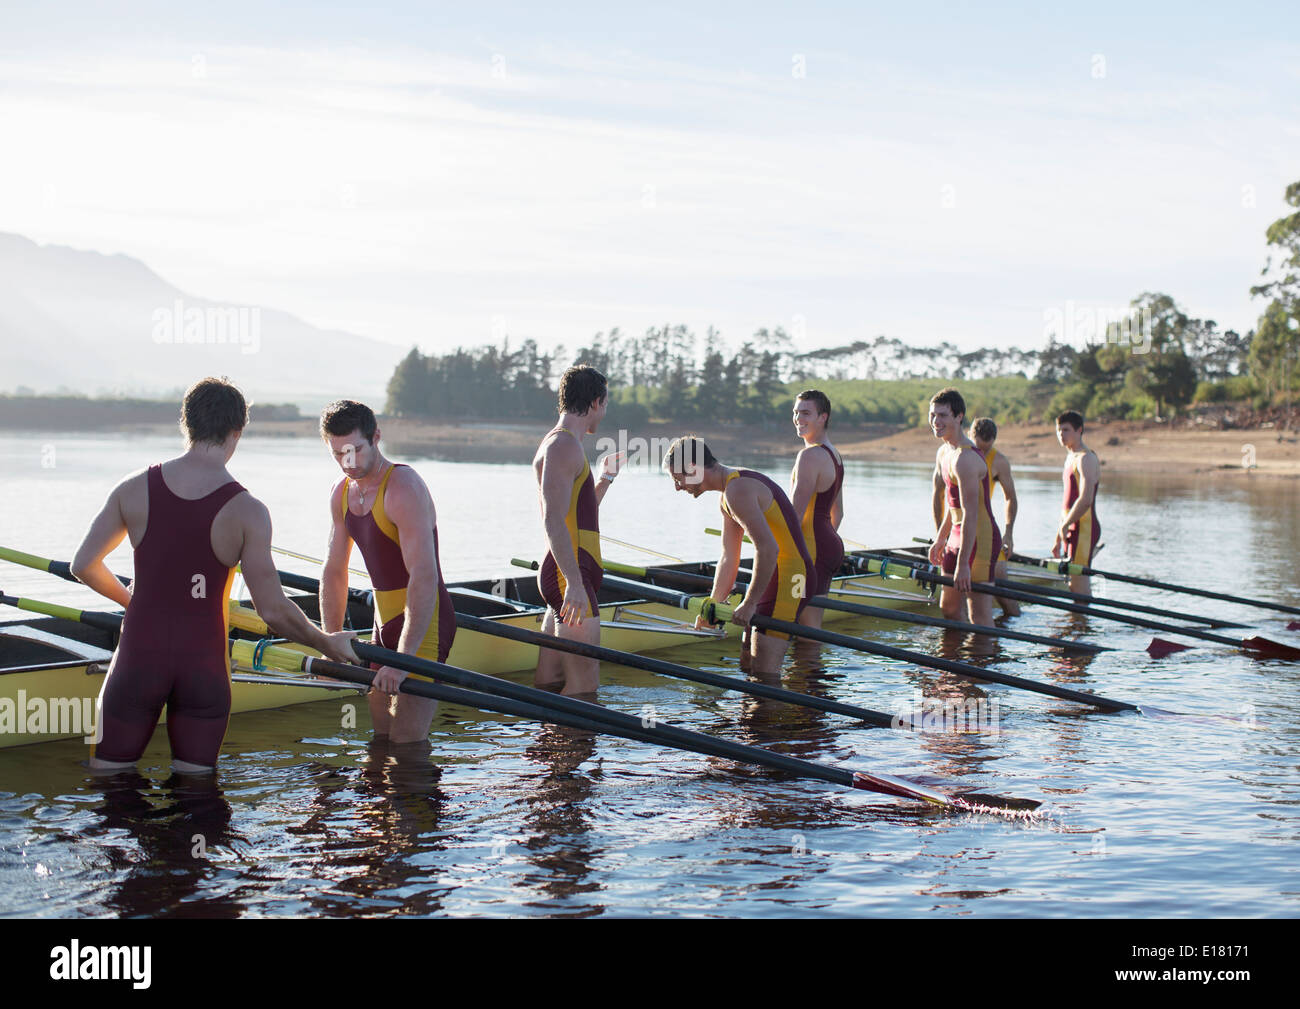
x=64 y=688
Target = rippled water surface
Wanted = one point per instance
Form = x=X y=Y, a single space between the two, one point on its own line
x=1146 y=816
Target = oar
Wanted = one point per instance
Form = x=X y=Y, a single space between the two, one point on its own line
x=1076 y=597
x=1066 y=568
x=315 y=560
x=899 y=616
x=717 y=612
x=505 y=697
x=61 y=568
x=1158 y=648
x=644 y=550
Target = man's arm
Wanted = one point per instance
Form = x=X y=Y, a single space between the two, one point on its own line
x=744 y=505
x=1009 y=492
x=969 y=491
x=1087 y=490
x=560 y=465
x=803 y=481
x=334 y=571
x=936 y=496
x=609 y=467
x=942 y=517
x=724 y=573
x=105 y=533
x=281 y=616
x=410 y=508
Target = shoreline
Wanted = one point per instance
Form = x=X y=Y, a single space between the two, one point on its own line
x=1126 y=447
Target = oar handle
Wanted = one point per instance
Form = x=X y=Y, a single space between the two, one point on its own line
x=530 y=565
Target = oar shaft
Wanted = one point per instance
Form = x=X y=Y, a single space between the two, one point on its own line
x=559 y=703
x=1065 y=567
x=673 y=669
x=963 y=669
x=1115 y=604
x=921 y=574
x=898 y=616
x=1077 y=597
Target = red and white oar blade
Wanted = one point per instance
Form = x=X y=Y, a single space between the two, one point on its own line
x=1160 y=647
x=890 y=785
x=1271 y=649
x=1294 y=625
x=974 y=803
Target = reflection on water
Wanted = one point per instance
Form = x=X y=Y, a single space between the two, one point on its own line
x=1150 y=816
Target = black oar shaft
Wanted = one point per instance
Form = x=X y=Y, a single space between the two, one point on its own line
x=673 y=669
x=657 y=731
x=920 y=573
x=1077 y=597
x=898 y=616
x=1064 y=568
x=600 y=720
x=1114 y=604
x=963 y=669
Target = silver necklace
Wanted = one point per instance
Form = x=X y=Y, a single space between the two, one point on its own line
x=361 y=491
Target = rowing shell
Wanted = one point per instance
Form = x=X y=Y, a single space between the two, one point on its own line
x=53 y=669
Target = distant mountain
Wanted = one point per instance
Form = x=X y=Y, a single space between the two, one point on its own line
x=93 y=324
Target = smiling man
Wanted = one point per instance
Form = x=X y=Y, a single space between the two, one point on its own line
x=968 y=542
x=752 y=504
x=816 y=491
x=387 y=510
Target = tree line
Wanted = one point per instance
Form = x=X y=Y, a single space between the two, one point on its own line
x=1151 y=361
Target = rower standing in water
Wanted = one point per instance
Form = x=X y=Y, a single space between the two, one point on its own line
x=752 y=504
x=968 y=542
x=387 y=510
x=571 y=573
x=984 y=433
x=816 y=492
x=190 y=524
x=1079 y=530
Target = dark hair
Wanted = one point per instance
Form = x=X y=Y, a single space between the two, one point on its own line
x=344 y=416
x=688 y=450
x=985 y=429
x=820 y=400
x=950 y=398
x=580 y=387
x=211 y=410
x=1071 y=417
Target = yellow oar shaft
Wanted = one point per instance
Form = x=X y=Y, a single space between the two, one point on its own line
x=315 y=560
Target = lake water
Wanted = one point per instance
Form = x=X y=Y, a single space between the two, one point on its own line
x=1185 y=816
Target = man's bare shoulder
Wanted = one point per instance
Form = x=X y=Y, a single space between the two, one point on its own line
x=562 y=452
x=248 y=510
x=970 y=464
x=407 y=495
x=811 y=461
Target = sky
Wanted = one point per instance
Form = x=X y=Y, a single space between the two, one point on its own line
x=432 y=175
